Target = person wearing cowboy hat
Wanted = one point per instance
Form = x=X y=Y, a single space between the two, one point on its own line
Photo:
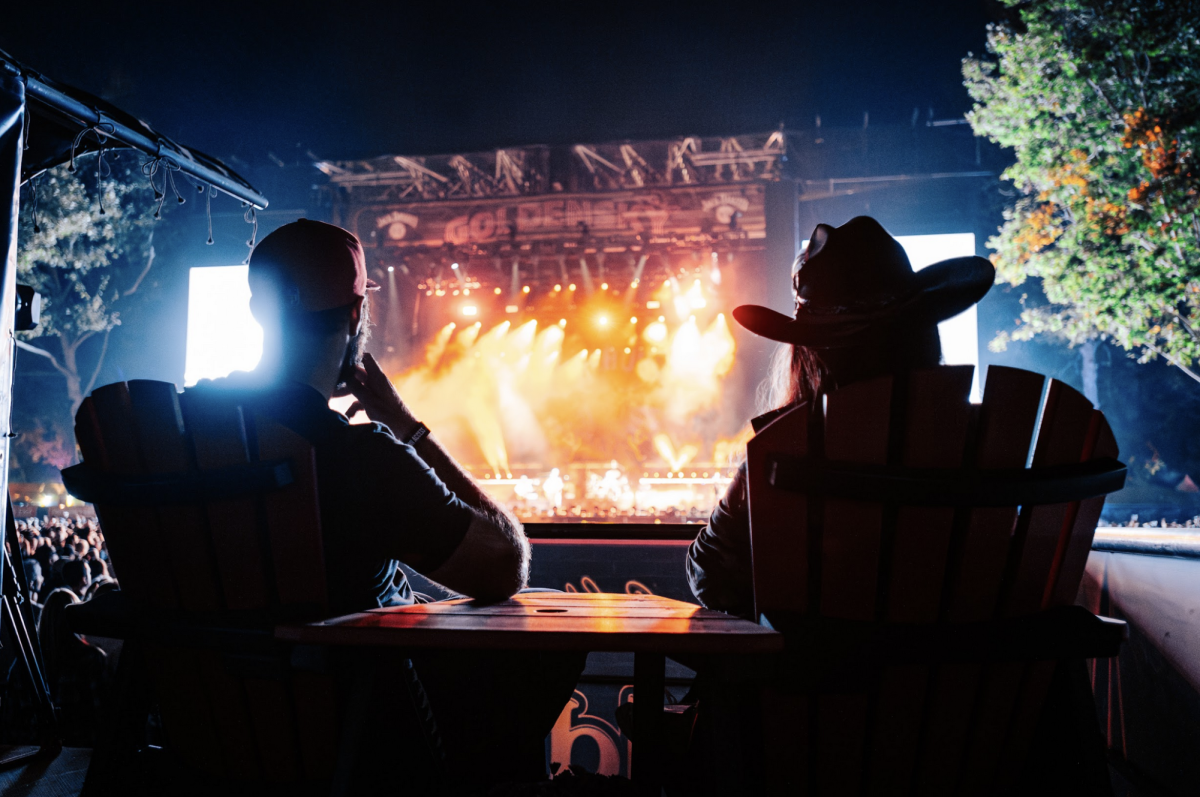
x=861 y=312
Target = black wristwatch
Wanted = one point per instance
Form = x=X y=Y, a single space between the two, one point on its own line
x=419 y=434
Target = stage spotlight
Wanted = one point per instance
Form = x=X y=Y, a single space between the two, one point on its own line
x=653 y=305
x=633 y=320
x=512 y=308
x=557 y=288
x=497 y=291
x=562 y=323
x=525 y=289
x=454 y=266
x=391 y=269
x=470 y=310
x=602 y=320
x=571 y=287
x=604 y=286
x=656 y=332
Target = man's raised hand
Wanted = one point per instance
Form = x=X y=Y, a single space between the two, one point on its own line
x=375 y=395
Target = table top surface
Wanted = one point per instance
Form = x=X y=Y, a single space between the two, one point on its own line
x=546 y=621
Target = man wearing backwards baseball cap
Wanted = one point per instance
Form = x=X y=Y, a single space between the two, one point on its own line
x=389 y=493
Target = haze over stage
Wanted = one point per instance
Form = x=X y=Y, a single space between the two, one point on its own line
x=540 y=401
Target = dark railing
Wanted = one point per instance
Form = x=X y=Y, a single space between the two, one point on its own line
x=1182 y=543
x=602 y=531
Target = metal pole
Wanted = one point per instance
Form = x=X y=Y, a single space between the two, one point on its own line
x=36 y=90
x=12 y=111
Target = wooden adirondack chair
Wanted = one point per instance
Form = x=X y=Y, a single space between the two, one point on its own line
x=925 y=576
x=210 y=514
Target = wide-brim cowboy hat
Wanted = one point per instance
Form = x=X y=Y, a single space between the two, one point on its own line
x=854 y=286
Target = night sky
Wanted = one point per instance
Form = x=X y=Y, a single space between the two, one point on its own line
x=347 y=79
x=271 y=83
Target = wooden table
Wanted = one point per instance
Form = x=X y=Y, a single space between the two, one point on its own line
x=648 y=626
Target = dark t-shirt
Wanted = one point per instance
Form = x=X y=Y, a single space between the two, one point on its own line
x=381 y=504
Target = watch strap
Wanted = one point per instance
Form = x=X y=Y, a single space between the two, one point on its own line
x=419 y=434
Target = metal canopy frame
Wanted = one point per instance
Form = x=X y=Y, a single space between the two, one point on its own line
x=76 y=109
x=88 y=117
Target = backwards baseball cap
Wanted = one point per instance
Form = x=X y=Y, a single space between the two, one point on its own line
x=309 y=266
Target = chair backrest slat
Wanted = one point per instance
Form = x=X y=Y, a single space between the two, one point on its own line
x=934 y=436
x=111 y=412
x=218 y=433
x=291 y=519
x=857 y=422
x=159 y=424
x=1007 y=420
x=1062 y=438
x=781 y=561
x=1079 y=545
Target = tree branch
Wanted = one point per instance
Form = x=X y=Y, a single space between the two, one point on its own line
x=1173 y=361
x=149 y=262
x=1096 y=88
x=79 y=340
x=1188 y=328
x=35 y=350
x=99 y=362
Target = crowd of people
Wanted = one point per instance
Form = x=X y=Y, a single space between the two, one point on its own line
x=65 y=562
x=62 y=552
x=1137 y=523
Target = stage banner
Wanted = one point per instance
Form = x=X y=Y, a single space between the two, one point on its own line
x=660 y=215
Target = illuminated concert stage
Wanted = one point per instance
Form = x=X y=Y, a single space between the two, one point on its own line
x=560 y=319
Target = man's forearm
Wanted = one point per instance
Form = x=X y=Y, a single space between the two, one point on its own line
x=458 y=480
x=492 y=562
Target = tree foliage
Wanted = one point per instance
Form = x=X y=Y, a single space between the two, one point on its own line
x=1100 y=101
x=84 y=246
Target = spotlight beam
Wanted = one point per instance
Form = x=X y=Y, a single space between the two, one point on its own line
x=631 y=292
x=586 y=276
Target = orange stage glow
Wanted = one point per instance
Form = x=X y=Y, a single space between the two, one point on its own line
x=570 y=420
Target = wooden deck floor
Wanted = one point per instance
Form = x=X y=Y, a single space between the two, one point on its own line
x=58 y=776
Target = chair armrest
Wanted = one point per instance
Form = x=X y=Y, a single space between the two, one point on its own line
x=193 y=487
x=823 y=654
x=1062 y=632
x=117 y=616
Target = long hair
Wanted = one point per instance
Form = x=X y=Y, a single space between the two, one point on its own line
x=794 y=376
x=798 y=373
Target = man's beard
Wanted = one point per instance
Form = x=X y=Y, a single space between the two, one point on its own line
x=355 y=348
